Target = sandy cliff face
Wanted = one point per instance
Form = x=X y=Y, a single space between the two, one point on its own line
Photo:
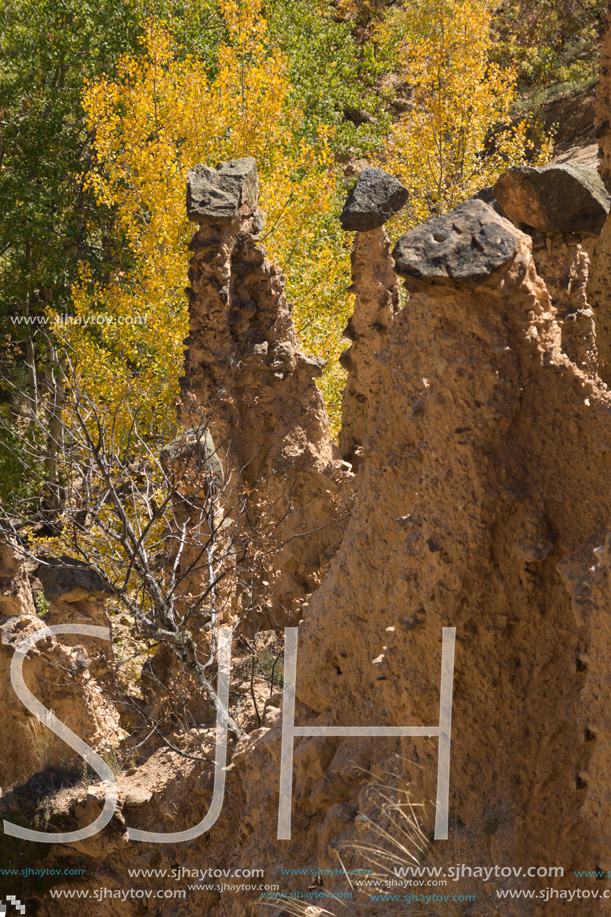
x=600 y=282
x=563 y=262
x=483 y=506
x=507 y=519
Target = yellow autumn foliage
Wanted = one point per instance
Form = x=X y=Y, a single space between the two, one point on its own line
x=442 y=149
x=157 y=119
x=164 y=113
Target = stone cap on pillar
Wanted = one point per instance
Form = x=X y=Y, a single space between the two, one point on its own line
x=226 y=193
x=375 y=198
x=464 y=247
x=555 y=198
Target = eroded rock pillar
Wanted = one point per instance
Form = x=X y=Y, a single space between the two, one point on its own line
x=564 y=209
x=374 y=199
x=482 y=506
x=245 y=372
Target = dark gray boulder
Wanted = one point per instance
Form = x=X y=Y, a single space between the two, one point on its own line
x=465 y=246
x=67 y=579
x=221 y=195
x=375 y=198
x=555 y=198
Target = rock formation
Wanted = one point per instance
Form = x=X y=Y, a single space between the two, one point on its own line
x=555 y=198
x=373 y=200
x=482 y=506
x=245 y=372
x=563 y=208
x=243 y=362
x=64 y=674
